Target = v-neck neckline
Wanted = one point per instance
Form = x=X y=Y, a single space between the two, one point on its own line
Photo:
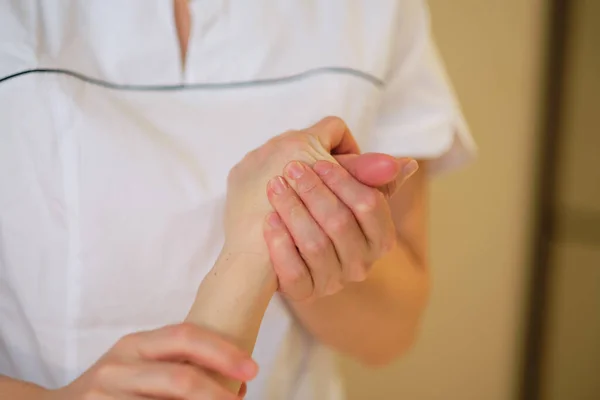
x=183 y=22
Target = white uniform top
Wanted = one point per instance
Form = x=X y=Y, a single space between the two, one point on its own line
x=113 y=157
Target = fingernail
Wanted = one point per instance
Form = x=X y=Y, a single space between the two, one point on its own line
x=294 y=170
x=410 y=168
x=274 y=221
x=323 y=167
x=278 y=185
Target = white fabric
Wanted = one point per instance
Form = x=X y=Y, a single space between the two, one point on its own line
x=111 y=198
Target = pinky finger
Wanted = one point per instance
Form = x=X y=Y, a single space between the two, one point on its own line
x=292 y=273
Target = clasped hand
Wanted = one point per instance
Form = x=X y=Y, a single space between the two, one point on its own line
x=327 y=215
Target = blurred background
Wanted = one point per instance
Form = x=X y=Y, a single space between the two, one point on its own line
x=515 y=310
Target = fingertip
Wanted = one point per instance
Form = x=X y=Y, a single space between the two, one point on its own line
x=248 y=370
x=276 y=186
x=410 y=168
x=273 y=221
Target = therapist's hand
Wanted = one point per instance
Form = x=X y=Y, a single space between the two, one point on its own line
x=332 y=221
x=174 y=362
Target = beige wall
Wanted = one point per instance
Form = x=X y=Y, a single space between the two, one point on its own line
x=469 y=347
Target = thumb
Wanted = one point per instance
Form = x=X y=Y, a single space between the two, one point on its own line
x=334 y=135
x=378 y=170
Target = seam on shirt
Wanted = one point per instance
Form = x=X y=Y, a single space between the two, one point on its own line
x=204 y=86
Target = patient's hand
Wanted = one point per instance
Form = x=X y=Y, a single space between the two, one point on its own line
x=247 y=204
x=355 y=183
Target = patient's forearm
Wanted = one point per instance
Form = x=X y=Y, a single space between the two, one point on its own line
x=233 y=298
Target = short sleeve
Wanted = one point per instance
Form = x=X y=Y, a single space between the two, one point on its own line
x=419 y=115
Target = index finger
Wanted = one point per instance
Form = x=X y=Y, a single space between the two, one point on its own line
x=334 y=136
x=187 y=342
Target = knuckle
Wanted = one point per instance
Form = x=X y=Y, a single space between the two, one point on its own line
x=300 y=297
x=184 y=332
x=369 y=201
x=297 y=296
x=287 y=134
x=332 y=287
x=339 y=223
x=296 y=276
x=283 y=135
x=316 y=246
x=293 y=145
x=358 y=272
x=306 y=296
x=127 y=342
x=261 y=153
x=359 y=276
x=104 y=373
x=296 y=143
x=297 y=284
x=276 y=238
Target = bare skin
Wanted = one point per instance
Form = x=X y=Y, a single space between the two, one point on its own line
x=183 y=23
